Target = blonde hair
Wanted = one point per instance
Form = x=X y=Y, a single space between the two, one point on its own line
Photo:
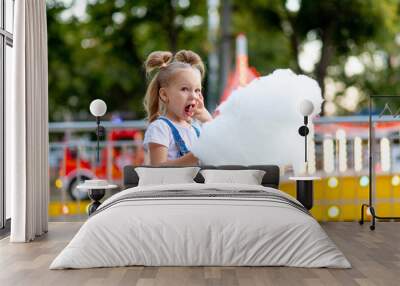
x=165 y=64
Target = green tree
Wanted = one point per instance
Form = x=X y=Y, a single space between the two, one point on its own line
x=101 y=55
x=344 y=28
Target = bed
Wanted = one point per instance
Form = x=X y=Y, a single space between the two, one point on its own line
x=201 y=224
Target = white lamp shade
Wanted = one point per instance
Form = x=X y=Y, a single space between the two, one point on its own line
x=306 y=107
x=98 y=107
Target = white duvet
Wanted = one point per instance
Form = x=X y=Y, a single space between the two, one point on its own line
x=192 y=231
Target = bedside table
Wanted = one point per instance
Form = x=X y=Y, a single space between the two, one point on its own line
x=96 y=190
x=304 y=190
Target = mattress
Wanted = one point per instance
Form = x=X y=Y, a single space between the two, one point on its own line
x=201 y=225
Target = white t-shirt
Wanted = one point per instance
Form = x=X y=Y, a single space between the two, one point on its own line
x=159 y=132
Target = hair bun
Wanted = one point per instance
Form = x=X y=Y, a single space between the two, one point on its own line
x=157 y=59
x=191 y=58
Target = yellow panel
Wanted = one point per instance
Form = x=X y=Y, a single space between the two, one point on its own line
x=362 y=193
x=383 y=187
x=396 y=191
x=316 y=212
x=349 y=186
x=383 y=209
x=70 y=208
x=332 y=193
x=289 y=188
x=396 y=209
x=324 y=213
x=327 y=216
x=349 y=212
x=319 y=189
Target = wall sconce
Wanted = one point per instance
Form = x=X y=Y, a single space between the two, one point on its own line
x=98 y=108
x=306 y=107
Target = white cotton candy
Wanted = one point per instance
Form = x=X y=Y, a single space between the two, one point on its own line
x=259 y=123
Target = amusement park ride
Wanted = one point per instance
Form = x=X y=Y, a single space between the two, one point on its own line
x=77 y=167
x=243 y=73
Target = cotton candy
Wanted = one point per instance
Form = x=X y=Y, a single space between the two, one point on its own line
x=258 y=123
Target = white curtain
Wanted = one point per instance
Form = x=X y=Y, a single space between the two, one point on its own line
x=27 y=124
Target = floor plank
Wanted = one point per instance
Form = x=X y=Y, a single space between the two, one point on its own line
x=374 y=255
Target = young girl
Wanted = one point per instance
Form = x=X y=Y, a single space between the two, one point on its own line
x=172 y=100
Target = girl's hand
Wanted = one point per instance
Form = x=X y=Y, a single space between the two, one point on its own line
x=201 y=113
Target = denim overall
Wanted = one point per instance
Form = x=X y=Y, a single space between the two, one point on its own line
x=177 y=137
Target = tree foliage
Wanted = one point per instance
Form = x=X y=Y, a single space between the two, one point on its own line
x=102 y=54
x=344 y=28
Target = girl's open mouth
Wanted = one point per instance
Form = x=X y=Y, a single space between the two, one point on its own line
x=189 y=110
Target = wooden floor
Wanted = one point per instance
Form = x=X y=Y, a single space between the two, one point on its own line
x=374 y=255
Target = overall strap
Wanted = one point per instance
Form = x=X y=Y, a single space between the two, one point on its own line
x=196 y=130
x=177 y=137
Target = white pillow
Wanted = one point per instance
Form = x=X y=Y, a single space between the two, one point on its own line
x=249 y=177
x=162 y=176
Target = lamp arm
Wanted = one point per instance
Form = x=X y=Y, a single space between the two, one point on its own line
x=305 y=138
x=98 y=137
x=303 y=131
x=100 y=132
x=305 y=148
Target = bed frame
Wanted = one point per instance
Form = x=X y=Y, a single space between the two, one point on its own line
x=270 y=179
